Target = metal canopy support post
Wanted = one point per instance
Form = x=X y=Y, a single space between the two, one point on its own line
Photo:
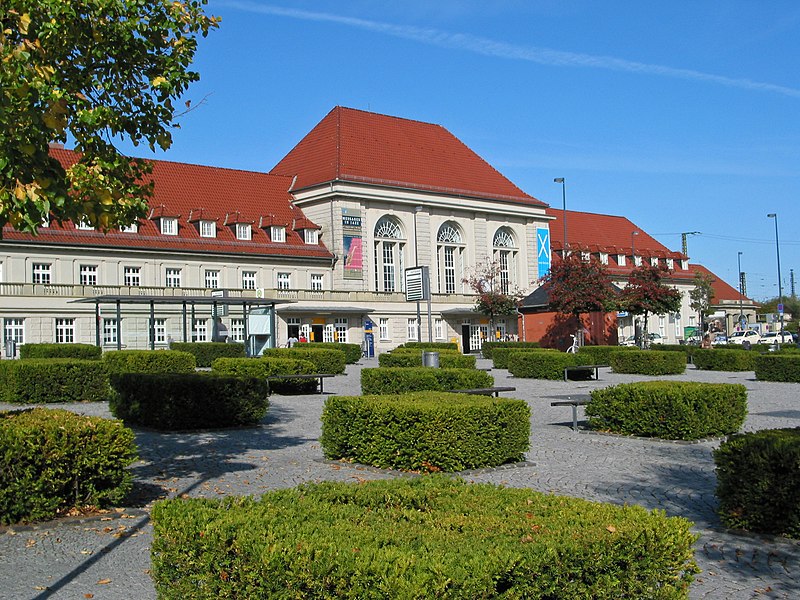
x=119 y=326
x=246 y=330
x=152 y=325
x=97 y=323
x=183 y=323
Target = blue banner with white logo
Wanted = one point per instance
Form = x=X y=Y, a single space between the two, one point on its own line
x=543 y=250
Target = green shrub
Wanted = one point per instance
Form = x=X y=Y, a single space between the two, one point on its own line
x=149 y=361
x=599 y=355
x=83 y=351
x=720 y=359
x=46 y=380
x=488 y=348
x=758 y=481
x=428 y=431
x=539 y=364
x=447 y=360
x=419 y=351
x=648 y=362
x=325 y=360
x=428 y=537
x=206 y=352
x=186 y=401
x=783 y=366
x=352 y=352
x=267 y=367
x=53 y=460
x=675 y=410
x=396 y=380
x=431 y=345
x=500 y=355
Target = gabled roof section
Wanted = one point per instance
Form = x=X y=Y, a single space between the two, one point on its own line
x=723 y=292
x=364 y=147
x=193 y=193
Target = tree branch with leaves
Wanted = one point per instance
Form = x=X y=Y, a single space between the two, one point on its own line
x=646 y=293
x=491 y=299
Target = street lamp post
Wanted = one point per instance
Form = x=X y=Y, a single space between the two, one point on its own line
x=741 y=292
x=780 y=286
x=563 y=183
x=634 y=233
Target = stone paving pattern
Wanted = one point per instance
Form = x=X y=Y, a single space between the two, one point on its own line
x=107 y=557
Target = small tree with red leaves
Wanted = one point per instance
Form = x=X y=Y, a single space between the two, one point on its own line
x=646 y=293
x=494 y=296
x=576 y=286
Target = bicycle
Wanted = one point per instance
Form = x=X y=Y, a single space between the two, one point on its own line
x=574 y=348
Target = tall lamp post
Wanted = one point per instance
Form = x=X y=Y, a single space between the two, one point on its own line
x=563 y=183
x=634 y=233
x=741 y=292
x=780 y=287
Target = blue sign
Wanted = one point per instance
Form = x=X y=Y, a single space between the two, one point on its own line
x=543 y=250
x=368 y=326
x=780 y=308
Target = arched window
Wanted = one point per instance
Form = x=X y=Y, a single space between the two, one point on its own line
x=389 y=255
x=505 y=255
x=450 y=257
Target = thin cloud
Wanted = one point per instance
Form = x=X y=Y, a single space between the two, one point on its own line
x=542 y=56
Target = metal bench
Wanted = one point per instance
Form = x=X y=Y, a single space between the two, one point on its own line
x=486 y=391
x=574 y=403
x=320 y=377
x=583 y=369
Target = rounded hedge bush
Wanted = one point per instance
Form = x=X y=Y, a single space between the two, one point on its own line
x=83 y=351
x=648 y=362
x=46 y=380
x=396 y=380
x=326 y=360
x=447 y=360
x=599 y=355
x=149 y=361
x=758 y=481
x=352 y=352
x=675 y=410
x=500 y=355
x=778 y=367
x=206 y=352
x=426 y=431
x=540 y=364
x=720 y=359
x=488 y=348
x=267 y=367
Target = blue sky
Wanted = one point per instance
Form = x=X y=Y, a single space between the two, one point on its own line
x=682 y=116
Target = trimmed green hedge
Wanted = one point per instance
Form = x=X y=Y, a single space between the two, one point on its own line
x=500 y=355
x=427 y=537
x=778 y=367
x=758 y=481
x=149 y=361
x=46 y=380
x=721 y=359
x=83 y=351
x=426 y=431
x=674 y=410
x=52 y=460
x=325 y=360
x=600 y=355
x=397 y=380
x=431 y=345
x=447 y=360
x=539 y=364
x=186 y=401
x=352 y=352
x=206 y=352
x=266 y=367
x=488 y=348
x=648 y=362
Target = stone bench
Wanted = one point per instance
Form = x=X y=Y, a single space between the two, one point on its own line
x=574 y=403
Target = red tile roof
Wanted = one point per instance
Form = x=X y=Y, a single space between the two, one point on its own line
x=195 y=192
x=722 y=290
x=363 y=147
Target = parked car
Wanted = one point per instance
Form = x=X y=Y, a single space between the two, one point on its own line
x=655 y=338
x=627 y=341
x=782 y=337
x=740 y=337
x=720 y=339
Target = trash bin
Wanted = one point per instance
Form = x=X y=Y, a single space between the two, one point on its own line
x=11 y=349
x=430 y=359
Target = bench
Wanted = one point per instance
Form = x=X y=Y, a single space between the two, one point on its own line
x=583 y=369
x=486 y=391
x=574 y=403
x=320 y=377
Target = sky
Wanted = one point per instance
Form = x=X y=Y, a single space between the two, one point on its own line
x=681 y=116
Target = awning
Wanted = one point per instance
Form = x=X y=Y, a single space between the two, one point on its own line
x=325 y=310
x=458 y=311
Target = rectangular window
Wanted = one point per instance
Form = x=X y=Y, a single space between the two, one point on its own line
x=637 y=261
x=653 y=261
x=244 y=231
x=132 y=276
x=293 y=327
x=604 y=258
x=670 y=263
x=169 y=226
x=388 y=266
x=85 y=225
x=41 y=273
x=14 y=329
x=237 y=330
x=439 y=329
x=132 y=228
x=65 y=331
x=449 y=270
x=88 y=274
x=110 y=332
x=684 y=265
x=173 y=278
x=284 y=281
x=208 y=229
x=212 y=280
x=311 y=236
x=316 y=282
x=340 y=333
x=199 y=330
x=160 y=331
x=277 y=233
x=505 y=277
x=383 y=328
x=328 y=334
x=248 y=280
x=621 y=260
x=412 y=332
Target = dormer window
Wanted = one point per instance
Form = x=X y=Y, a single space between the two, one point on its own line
x=621 y=260
x=132 y=228
x=685 y=265
x=208 y=229
x=169 y=225
x=604 y=258
x=244 y=231
x=670 y=263
x=277 y=233
x=637 y=261
x=311 y=236
x=85 y=225
x=654 y=261
x=585 y=256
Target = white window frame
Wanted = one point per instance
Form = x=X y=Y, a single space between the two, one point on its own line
x=169 y=225
x=622 y=260
x=160 y=331
x=132 y=228
x=284 y=281
x=604 y=258
x=311 y=236
x=200 y=330
x=412 y=330
x=383 y=328
x=132 y=276
x=653 y=261
x=244 y=231
x=14 y=329
x=328 y=333
x=670 y=263
x=237 y=330
x=249 y=280
x=172 y=277
x=42 y=273
x=65 y=331
x=88 y=274
x=211 y=279
x=277 y=234
x=110 y=331
x=341 y=329
x=84 y=225
x=317 y=282
x=208 y=229
x=439 y=328
x=684 y=265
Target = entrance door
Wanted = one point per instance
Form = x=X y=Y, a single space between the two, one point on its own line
x=317 y=333
x=465 y=347
x=478 y=335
